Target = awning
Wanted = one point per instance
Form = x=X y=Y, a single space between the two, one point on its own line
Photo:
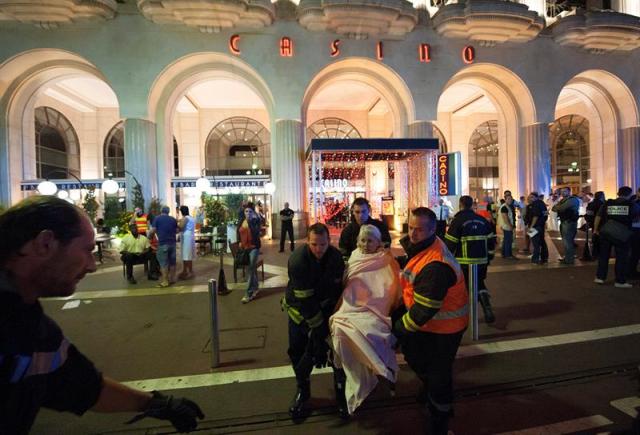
x=380 y=145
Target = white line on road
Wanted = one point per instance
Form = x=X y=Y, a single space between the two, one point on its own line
x=628 y=405
x=565 y=427
x=281 y=372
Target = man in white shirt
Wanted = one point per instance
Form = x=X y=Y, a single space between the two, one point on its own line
x=134 y=249
x=442 y=212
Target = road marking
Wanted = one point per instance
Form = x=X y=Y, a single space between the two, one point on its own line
x=551 y=340
x=282 y=372
x=628 y=405
x=569 y=426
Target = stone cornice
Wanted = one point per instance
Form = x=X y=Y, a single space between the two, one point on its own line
x=210 y=15
x=359 y=19
x=488 y=21
x=598 y=32
x=49 y=14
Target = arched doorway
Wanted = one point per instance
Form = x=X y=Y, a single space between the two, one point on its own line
x=570 y=154
x=484 y=166
x=608 y=108
x=57 y=146
x=495 y=97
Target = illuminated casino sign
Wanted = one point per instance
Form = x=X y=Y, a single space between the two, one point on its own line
x=448 y=174
x=285 y=48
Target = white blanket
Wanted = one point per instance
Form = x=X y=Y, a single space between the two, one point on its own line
x=361 y=327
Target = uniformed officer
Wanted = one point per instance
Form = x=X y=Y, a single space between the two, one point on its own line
x=590 y=216
x=635 y=243
x=471 y=239
x=314 y=288
x=622 y=211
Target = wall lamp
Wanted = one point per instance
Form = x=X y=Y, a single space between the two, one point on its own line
x=46 y=187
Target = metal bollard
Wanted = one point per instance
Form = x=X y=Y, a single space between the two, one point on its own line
x=215 y=327
x=473 y=300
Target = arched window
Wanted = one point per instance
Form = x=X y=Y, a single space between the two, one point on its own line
x=57 y=145
x=570 y=159
x=442 y=142
x=332 y=128
x=484 y=176
x=114 y=151
x=238 y=146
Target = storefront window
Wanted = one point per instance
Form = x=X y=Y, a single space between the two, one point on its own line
x=57 y=146
x=484 y=175
x=332 y=128
x=570 y=159
x=238 y=146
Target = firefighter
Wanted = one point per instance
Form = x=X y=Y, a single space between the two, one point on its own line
x=434 y=317
x=314 y=288
x=471 y=239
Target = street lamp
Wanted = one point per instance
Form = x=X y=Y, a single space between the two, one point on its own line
x=110 y=186
x=47 y=187
x=203 y=184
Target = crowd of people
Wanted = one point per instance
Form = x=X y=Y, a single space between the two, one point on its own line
x=350 y=307
x=153 y=240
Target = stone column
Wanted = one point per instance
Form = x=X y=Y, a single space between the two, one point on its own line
x=287 y=173
x=535 y=160
x=421 y=130
x=143 y=160
x=629 y=158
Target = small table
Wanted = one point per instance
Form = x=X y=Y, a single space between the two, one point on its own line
x=100 y=240
x=202 y=240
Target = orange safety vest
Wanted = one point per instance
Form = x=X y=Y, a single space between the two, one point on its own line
x=453 y=315
x=484 y=211
x=141 y=223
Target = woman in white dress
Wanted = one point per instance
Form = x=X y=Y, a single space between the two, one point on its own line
x=361 y=326
x=187 y=226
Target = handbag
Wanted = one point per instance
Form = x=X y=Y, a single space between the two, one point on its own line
x=615 y=232
x=242 y=257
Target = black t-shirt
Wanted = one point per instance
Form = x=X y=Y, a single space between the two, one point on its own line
x=38 y=366
x=592 y=210
x=619 y=209
x=286 y=213
x=539 y=209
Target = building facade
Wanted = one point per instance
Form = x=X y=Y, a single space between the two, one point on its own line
x=532 y=95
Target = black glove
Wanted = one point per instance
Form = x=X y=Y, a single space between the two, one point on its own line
x=320 y=332
x=320 y=353
x=180 y=412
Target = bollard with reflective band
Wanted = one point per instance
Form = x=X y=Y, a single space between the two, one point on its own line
x=215 y=325
x=473 y=301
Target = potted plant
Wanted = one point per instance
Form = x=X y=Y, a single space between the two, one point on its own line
x=233 y=201
x=215 y=213
x=90 y=204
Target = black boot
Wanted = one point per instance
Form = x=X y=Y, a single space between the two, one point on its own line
x=485 y=301
x=438 y=420
x=297 y=408
x=339 y=383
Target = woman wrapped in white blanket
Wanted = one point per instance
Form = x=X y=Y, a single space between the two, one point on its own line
x=361 y=326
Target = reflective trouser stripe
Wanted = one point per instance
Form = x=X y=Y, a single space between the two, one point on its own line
x=463 y=260
x=316 y=320
x=293 y=313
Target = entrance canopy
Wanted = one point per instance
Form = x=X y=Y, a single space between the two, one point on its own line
x=395 y=175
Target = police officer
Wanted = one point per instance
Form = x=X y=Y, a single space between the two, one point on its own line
x=434 y=317
x=623 y=211
x=635 y=243
x=472 y=240
x=314 y=288
x=536 y=220
x=590 y=216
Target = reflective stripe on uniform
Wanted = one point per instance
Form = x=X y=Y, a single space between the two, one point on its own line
x=424 y=301
x=409 y=324
x=452 y=238
x=303 y=294
x=467 y=260
x=445 y=315
x=316 y=320
x=293 y=313
x=408 y=275
x=39 y=363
